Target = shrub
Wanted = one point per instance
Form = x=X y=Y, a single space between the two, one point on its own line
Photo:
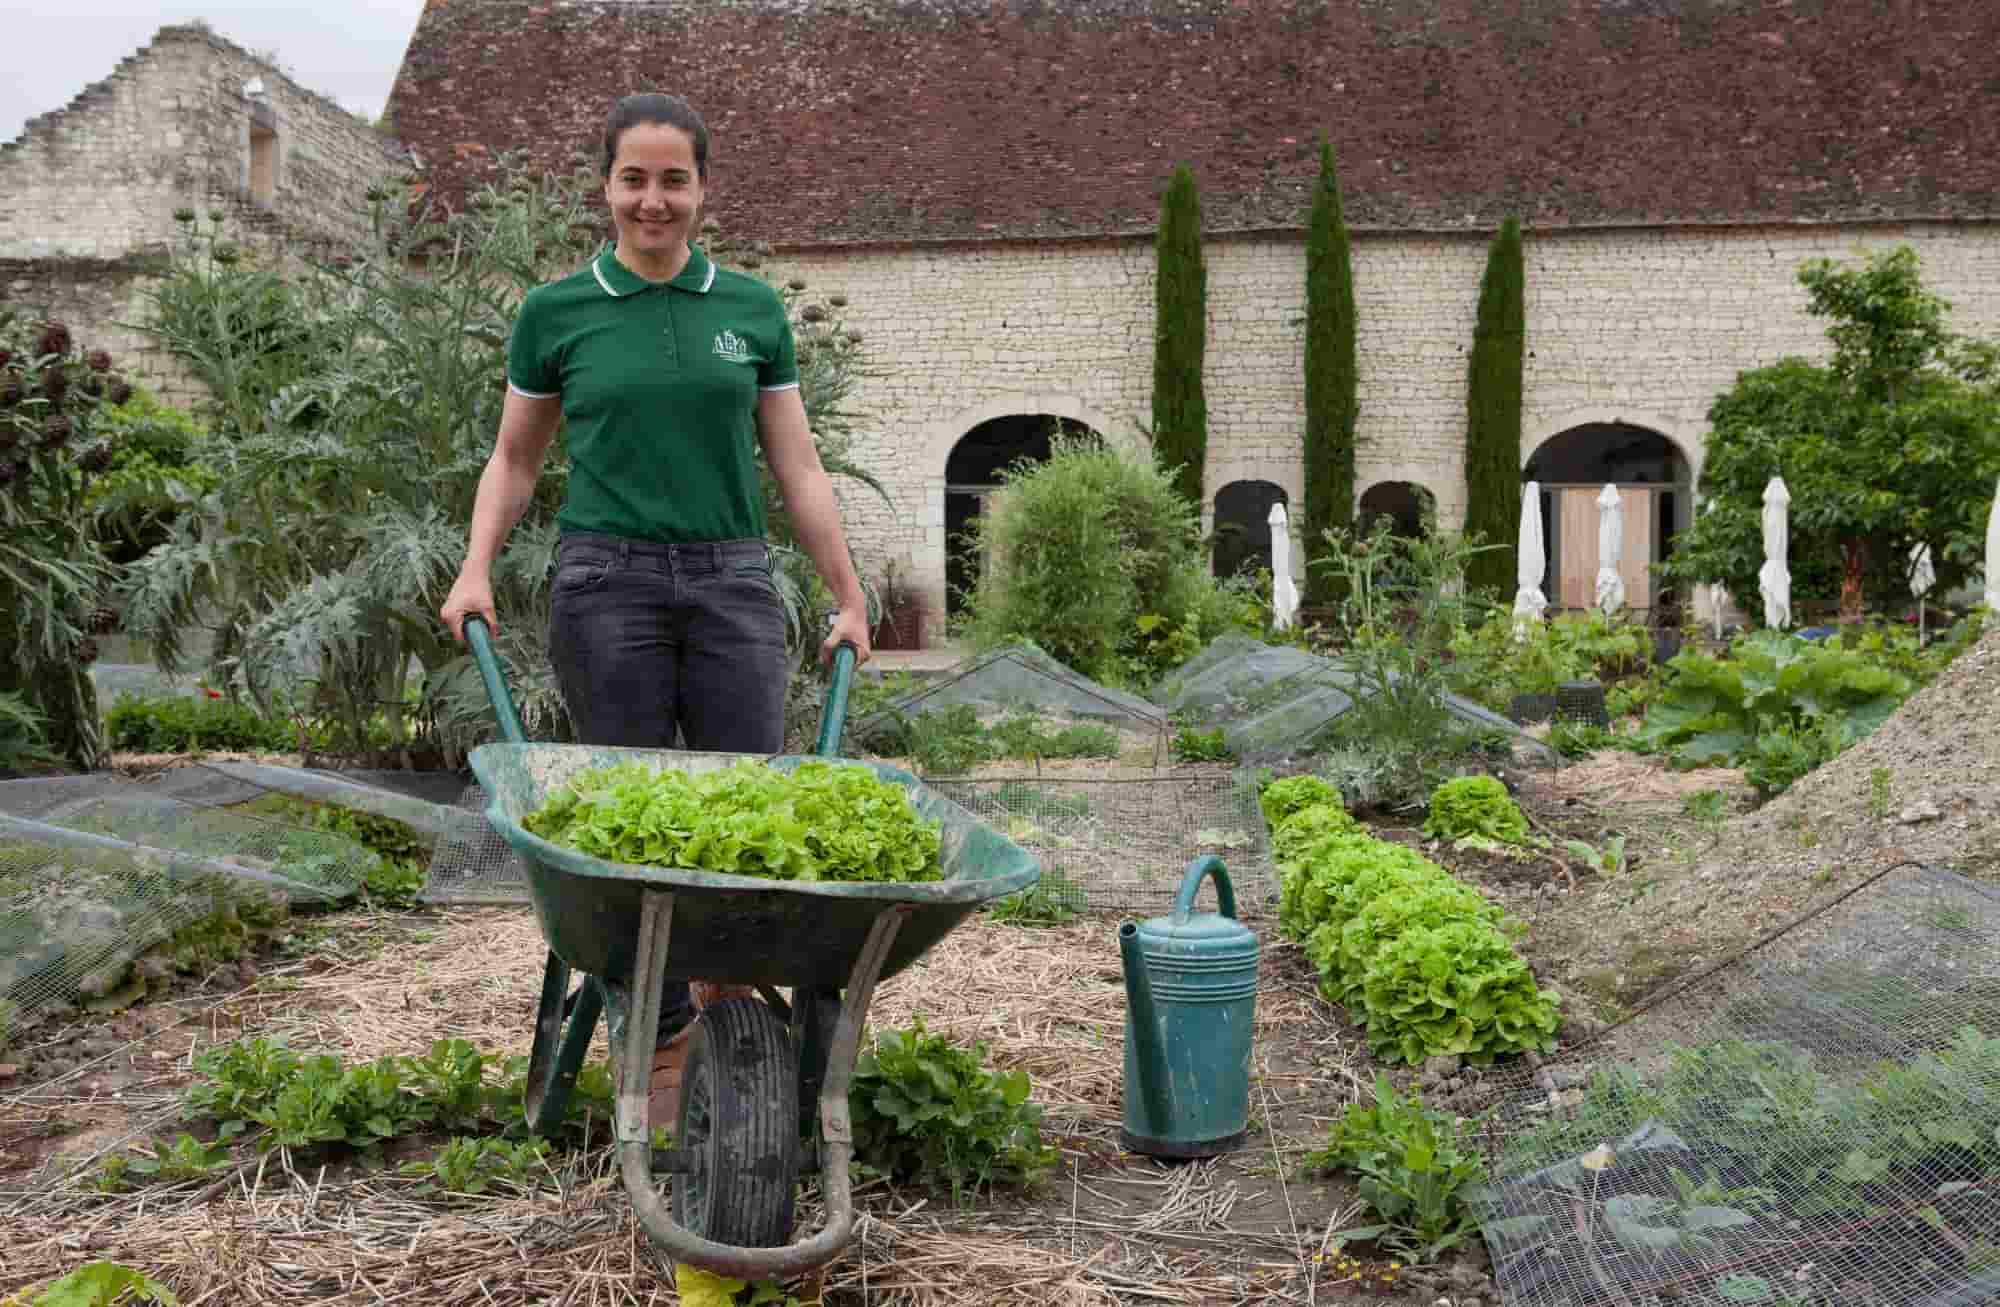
x=1491 y=664
x=1475 y=806
x=1095 y=558
x=1331 y=376
x=1180 y=337
x=175 y=724
x=1493 y=414
x=928 y=1110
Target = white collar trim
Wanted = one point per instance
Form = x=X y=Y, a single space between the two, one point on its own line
x=598 y=272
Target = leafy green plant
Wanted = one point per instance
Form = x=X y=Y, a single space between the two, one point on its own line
x=23 y=736
x=1785 y=752
x=1456 y=988
x=1280 y=799
x=1343 y=951
x=821 y=821
x=1808 y=697
x=1191 y=745
x=927 y=1110
x=1050 y=901
x=1475 y=807
x=1608 y=860
x=1581 y=739
x=186 y=1158
x=948 y=741
x=474 y=1165
x=1709 y=807
x=1495 y=660
x=1879 y=793
x=97 y=1284
x=1414 y=1167
x=1027 y=800
x=182 y=724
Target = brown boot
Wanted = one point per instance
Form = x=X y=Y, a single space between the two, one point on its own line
x=663 y=1105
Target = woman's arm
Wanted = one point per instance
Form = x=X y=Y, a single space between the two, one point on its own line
x=505 y=487
x=808 y=495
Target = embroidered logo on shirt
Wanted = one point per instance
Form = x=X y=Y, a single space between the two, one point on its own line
x=732 y=348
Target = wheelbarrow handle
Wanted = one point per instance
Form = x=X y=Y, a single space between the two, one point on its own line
x=833 y=717
x=480 y=640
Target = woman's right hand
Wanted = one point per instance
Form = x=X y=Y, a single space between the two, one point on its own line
x=471 y=596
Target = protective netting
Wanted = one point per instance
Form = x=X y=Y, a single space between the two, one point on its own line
x=1273 y=702
x=1019 y=678
x=97 y=870
x=1123 y=844
x=1817 y=1123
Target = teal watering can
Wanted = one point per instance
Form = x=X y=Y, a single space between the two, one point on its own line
x=1191 y=1001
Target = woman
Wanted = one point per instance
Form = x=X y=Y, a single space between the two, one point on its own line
x=664 y=616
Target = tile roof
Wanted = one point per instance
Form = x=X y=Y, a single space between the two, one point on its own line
x=891 y=121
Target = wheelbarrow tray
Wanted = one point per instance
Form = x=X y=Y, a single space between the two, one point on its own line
x=741 y=929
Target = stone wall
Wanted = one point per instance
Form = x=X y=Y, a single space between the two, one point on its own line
x=1643 y=326
x=89 y=192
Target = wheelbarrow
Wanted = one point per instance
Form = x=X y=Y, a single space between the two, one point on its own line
x=754 y=1069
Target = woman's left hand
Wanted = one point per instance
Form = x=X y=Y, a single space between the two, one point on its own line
x=850 y=626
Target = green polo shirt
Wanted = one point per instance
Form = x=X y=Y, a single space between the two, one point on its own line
x=659 y=384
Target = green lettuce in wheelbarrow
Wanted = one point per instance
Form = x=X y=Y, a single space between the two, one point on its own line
x=823 y=821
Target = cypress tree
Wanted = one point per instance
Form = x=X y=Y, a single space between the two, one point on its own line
x=1180 y=337
x=1330 y=377
x=1493 y=415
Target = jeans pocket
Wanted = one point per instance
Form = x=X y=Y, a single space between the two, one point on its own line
x=577 y=574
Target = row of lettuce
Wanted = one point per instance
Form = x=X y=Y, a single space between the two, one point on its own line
x=1422 y=960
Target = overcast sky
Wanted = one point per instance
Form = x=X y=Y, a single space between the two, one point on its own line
x=347 y=50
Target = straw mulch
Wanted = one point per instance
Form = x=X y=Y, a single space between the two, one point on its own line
x=1103 y=1228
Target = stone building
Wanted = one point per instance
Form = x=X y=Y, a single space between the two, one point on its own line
x=191 y=123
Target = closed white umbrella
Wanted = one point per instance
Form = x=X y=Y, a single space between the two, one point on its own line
x=1922 y=577
x=1529 y=564
x=1284 y=595
x=1993 y=553
x=1774 y=579
x=1610 y=549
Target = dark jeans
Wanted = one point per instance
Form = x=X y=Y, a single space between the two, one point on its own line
x=653 y=641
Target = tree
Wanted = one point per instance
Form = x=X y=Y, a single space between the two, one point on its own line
x=1330 y=379
x=1493 y=415
x=1180 y=338
x=1892 y=443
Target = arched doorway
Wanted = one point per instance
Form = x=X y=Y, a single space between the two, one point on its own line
x=1655 y=485
x=1404 y=503
x=972 y=472
x=1243 y=527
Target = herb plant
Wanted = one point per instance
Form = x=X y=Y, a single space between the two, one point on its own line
x=1191 y=745
x=927 y=1110
x=1414 y=1165
x=822 y=822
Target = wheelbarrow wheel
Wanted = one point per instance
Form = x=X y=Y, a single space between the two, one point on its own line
x=739 y=1127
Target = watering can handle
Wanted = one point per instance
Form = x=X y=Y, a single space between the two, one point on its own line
x=1225 y=894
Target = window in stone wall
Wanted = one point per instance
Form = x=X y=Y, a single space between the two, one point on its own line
x=1243 y=526
x=263 y=163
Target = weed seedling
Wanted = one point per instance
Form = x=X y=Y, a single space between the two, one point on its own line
x=1878 y=793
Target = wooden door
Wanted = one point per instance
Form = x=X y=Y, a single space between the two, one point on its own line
x=1576 y=540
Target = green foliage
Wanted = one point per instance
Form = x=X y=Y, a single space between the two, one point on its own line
x=1082 y=548
x=181 y=724
x=1491 y=663
x=1191 y=745
x=1573 y=739
x=394 y=876
x=186 y=1158
x=1303 y=827
x=1180 y=338
x=98 y=1284
x=23 y=736
x=54 y=572
x=824 y=821
x=469 y=1165
x=1493 y=414
x=1423 y=960
x=1475 y=806
x=152 y=476
x=1894 y=442
x=1810 y=700
x=927 y=1110
x=1051 y=901
x=1280 y=799
x=353 y=411
x=1404 y=603
x=1413 y=1166
x=1332 y=378
x=1608 y=860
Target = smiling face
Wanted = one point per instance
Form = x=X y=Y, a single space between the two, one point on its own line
x=654 y=191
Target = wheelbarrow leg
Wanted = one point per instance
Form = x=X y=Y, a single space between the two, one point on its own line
x=559 y=1046
x=635 y=1155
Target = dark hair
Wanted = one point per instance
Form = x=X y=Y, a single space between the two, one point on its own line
x=655 y=107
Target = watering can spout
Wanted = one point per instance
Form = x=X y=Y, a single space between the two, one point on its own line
x=1142 y=1026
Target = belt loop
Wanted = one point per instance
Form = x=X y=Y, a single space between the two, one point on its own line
x=714 y=556
x=625 y=553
